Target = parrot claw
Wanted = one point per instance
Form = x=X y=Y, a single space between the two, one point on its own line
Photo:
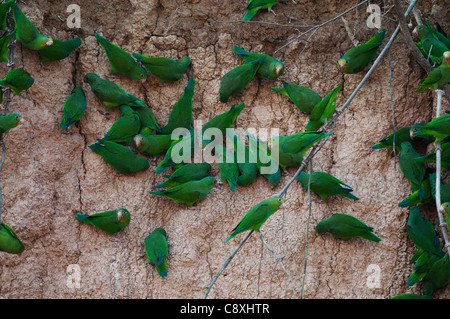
x=43 y=67
x=318 y=201
x=116 y=239
x=194 y=208
x=437 y=147
x=111 y=76
x=285 y=173
x=443 y=225
x=273 y=12
x=302 y=114
x=9 y=64
x=104 y=113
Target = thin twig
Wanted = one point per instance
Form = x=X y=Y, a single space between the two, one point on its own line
x=280 y=261
x=225 y=264
x=442 y=224
x=393 y=110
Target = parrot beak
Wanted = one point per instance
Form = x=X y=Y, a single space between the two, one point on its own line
x=21 y=120
x=48 y=43
x=283 y=205
x=415 y=32
x=138 y=142
x=442 y=210
x=120 y=216
x=278 y=69
x=411 y=134
x=342 y=64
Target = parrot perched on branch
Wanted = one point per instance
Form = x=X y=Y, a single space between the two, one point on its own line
x=439 y=77
x=9 y=121
x=325 y=185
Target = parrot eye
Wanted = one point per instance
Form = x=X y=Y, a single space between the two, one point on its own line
x=280 y=199
x=17 y=116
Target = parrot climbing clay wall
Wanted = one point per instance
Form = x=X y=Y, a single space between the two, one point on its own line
x=50 y=176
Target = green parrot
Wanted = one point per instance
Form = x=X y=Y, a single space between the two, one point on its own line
x=259 y=150
x=228 y=167
x=165 y=69
x=110 y=221
x=440 y=34
x=146 y=116
x=236 y=80
x=125 y=128
x=438 y=276
x=247 y=164
x=74 y=108
x=186 y=173
x=431 y=156
x=181 y=115
x=257 y=215
x=437 y=78
x=445 y=189
x=323 y=111
x=254 y=6
x=59 y=49
x=152 y=145
x=410 y=296
x=4 y=8
x=156 y=248
x=303 y=98
x=430 y=44
x=270 y=68
x=189 y=192
x=401 y=135
x=17 y=80
x=110 y=93
x=344 y=227
x=168 y=160
x=325 y=185
x=420 y=195
x=222 y=121
x=423 y=264
x=120 y=157
x=445 y=210
x=439 y=128
x=9 y=121
x=26 y=32
x=292 y=149
x=422 y=233
x=414 y=171
x=9 y=242
x=359 y=57
x=121 y=61
x=5 y=40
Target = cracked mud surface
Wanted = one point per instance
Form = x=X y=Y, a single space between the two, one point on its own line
x=48 y=177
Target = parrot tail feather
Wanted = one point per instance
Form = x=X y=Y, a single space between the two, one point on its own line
x=370 y=236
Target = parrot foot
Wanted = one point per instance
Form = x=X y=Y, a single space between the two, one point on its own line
x=116 y=239
x=285 y=173
x=437 y=147
x=111 y=76
x=302 y=114
x=66 y=132
x=194 y=208
x=341 y=241
x=10 y=64
x=12 y=44
x=272 y=12
x=318 y=201
x=443 y=225
x=43 y=67
x=104 y=113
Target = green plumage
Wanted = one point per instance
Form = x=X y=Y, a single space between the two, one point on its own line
x=111 y=221
x=59 y=50
x=359 y=57
x=267 y=166
x=190 y=192
x=325 y=185
x=9 y=242
x=248 y=169
x=420 y=195
x=303 y=98
x=323 y=111
x=236 y=80
x=121 y=61
x=9 y=121
x=257 y=215
x=401 y=135
x=344 y=226
x=156 y=248
x=270 y=68
x=439 y=128
x=430 y=44
x=165 y=69
x=4 y=8
x=410 y=296
x=5 y=40
x=74 y=108
x=437 y=78
x=413 y=170
x=228 y=167
x=181 y=115
x=445 y=210
x=422 y=266
x=180 y=152
x=438 y=276
x=254 y=6
x=422 y=233
x=186 y=173
x=431 y=156
x=292 y=149
x=152 y=145
x=26 y=32
x=222 y=121
x=120 y=157
x=110 y=93
x=146 y=116
x=18 y=80
x=125 y=128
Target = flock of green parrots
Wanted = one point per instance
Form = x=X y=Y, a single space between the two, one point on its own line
x=189 y=182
